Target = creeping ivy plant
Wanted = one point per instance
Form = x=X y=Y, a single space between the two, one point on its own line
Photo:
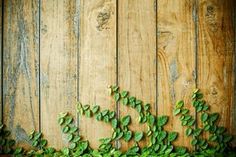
x=160 y=141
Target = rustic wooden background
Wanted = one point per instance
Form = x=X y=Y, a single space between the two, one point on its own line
x=57 y=52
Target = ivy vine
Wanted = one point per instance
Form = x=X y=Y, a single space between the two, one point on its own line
x=160 y=141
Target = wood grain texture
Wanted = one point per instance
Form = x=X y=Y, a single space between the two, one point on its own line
x=215 y=58
x=58 y=61
x=176 y=60
x=20 y=67
x=137 y=56
x=1 y=60
x=97 y=63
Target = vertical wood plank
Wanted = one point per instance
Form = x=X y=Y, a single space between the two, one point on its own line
x=216 y=46
x=97 y=63
x=176 y=60
x=137 y=56
x=20 y=67
x=58 y=62
x=1 y=26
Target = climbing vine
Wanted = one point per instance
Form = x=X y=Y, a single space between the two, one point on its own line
x=160 y=141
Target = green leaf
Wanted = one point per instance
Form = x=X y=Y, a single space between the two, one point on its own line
x=199 y=108
x=61 y=121
x=88 y=113
x=161 y=136
x=127 y=136
x=43 y=142
x=184 y=111
x=207 y=127
x=138 y=108
x=204 y=117
x=68 y=120
x=105 y=112
x=70 y=137
x=114 y=123
x=65 y=129
x=194 y=142
x=177 y=111
x=179 y=104
x=125 y=101
x=188 y=131
x=99 y=116
x=124 y=94
x=172 y=136
x=151 y=120
x=105 y=140
x=72 y=145
x=95 y=109
x=197 y=132
x=117 y=97
x=147 y=107
x=162 y=120
x=112 y=114
x=125 y=120
x=212 y=138
x=214 y=117
x=138 y=136
x=86 y=107
x=65 y=151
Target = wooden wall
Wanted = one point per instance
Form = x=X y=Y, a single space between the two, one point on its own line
x=57 y=52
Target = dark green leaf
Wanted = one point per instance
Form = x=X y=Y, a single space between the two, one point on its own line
x=138 y=136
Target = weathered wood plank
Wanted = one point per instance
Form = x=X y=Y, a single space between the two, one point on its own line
x=215 y=58
x=137 y=56
x=20 y=67
x=58 y=62
x=176 y=60
x=97 y=63
x=1 y=26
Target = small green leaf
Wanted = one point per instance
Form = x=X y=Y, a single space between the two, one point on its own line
x=188 y=131
x=125 y=101
x=70 y=137
x=95 y=109
x=184 y=111
x=124 y=94
x=117 y=97
x=99 y=116
x=114 y=123
x=194 y=142
x=138 y=136
x=177 y=111
x=161 y=136
x=88 y=113
x=162 y=120
x=172 y=136
x=179 y=104
x=65 y=129
x=125 y=120
x=204 y=117
x=127 y=136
